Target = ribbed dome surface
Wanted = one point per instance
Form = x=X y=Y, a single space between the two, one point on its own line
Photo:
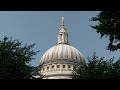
x=62 y=51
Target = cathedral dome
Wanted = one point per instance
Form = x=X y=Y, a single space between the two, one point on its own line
x=62 y=52
x=59 y=61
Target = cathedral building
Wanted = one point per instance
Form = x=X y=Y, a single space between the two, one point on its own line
x=59 y=61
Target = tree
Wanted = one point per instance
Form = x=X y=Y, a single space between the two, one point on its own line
x=109 y=26
x=36 y=74
x=98 y=68
x=15 y=59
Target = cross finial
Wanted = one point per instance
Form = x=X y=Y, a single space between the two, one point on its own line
x=62 y=20
x=63 y=35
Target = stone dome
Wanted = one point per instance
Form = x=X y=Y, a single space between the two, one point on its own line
x=62 y=52
x=59 y=61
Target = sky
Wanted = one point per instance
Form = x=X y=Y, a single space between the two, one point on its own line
x=42 y=27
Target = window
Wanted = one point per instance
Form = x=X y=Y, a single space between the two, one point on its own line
x=69 y=66
x=60 y=37
x=43 y=69
x=52 y=67
x=63 y=66
x=47 y=68
x=58 y=66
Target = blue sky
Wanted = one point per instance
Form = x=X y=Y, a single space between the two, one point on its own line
x=41 y=27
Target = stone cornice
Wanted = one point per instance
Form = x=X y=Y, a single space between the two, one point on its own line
x=51 y=75
x=59 y=61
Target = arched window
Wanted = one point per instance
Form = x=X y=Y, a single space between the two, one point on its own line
x=43 y=69
x=47 y=68
x=52 y=67
x=63 y=66
x=60 y=37
x=58 y=66
x=69 y=66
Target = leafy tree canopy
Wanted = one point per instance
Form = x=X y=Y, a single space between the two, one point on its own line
x=109 y=26
x=98 y=68
x=15 y=59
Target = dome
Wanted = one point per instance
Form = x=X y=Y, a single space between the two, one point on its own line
x=59 y=61
x=62 y=52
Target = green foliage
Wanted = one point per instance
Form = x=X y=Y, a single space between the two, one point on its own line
x=36 y=73
x=15 y=59
x=98 y=68
x=109 y=26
